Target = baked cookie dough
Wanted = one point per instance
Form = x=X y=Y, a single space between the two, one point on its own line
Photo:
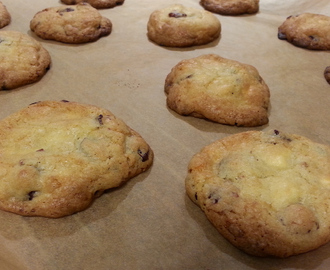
x=219 y=89
x=5 y=17
x=267 y=193
x=327 y=74
x=23 y=60
x=231 y=7
x=307 y=30
x=96 y=3
x=74 y=24
x=180 y=26
x=57 y=157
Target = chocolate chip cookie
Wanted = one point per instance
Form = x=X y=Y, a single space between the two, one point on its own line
x=57 y=157
x=180 y=26
x=231 y=7
x=267 y=193
x=74 y=24
x=23 y=60
x=307 y=30
x=218 y=89
x=96 y=3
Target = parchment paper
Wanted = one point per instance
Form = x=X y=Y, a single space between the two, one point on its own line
x=149 y=223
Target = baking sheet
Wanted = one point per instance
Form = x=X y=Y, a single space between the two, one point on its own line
x=149 y=223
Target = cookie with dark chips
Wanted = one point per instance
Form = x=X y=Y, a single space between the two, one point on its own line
x=307 y=30
x=74 y=24
x=218 y=89
x=99 y=4
x=5 y=17
x=231 y=7
x=23 y=60
x=57 y=157
x=180 y=26
x=267 y=193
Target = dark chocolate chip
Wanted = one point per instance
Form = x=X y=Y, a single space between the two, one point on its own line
x=61 y=11
x=31 y=195
x=100 y=119
x=144 y=156
x=177 y=15
x=214 y=198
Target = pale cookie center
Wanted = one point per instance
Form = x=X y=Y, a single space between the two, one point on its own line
x=269 y=173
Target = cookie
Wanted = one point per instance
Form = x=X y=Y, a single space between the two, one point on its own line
x=231 y=7
x=5 y=17
x=267 y=193
x=218 y=89
x=23 y=60
x=74 y=24
x=327 y=74
x=57 y=157
x=96 y=3
x=180 y=26
x=307 y=30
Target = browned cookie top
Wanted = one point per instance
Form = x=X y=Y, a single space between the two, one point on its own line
x=5 y=17
x=23 y=60
x=268 y=193
x=307 y=30
x=231 y=7
x=96 y=3
x=219 y=89
x=57 y=157
x=79 y=23
x=180 y=26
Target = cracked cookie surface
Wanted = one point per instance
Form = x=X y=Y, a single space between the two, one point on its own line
x=23 y=60
x=180 y=26
x=307 y=30
x=73 y=24
x=268 y=193
x=57 y=157
x=219 y=89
